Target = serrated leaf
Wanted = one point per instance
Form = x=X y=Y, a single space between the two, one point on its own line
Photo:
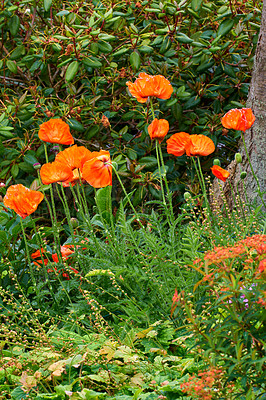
x=104 y=203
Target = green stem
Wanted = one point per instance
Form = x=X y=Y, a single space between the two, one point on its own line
x=29 y=259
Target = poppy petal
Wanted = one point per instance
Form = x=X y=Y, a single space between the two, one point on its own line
x=55 y=131
x=220 y=173
x=199 y=145
x=158 y=129
x=176 y=143
x=98 y=170
x=55 y=172
x=22 y=200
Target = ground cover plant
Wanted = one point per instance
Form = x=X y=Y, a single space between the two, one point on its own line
x=106 y=293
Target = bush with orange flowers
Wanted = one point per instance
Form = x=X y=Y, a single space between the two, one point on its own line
x=229 y=319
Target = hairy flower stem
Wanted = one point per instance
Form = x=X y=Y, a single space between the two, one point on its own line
x=53 y=215
x=203 y=187
x=252 y=170
x=39 y=240
x=29 y=259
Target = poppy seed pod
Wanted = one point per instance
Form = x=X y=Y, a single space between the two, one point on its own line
x=216 y=161
x=238 y=158
x=243 y=174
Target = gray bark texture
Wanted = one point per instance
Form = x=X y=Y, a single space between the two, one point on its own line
x=255 y=137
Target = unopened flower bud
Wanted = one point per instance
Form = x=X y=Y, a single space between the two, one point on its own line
x=243 y=175
x=238 y=158
x=74 y=222
x=37 y=165
x=187 y=196
x=216 y=161
x=105 y=121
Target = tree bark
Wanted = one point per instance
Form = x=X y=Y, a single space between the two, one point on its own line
x=255 y=137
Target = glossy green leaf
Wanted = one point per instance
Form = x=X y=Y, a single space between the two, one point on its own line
x=12 y=66
x=47 y=4
x=134 y=60
x=71 y=71
x=14 y=24
x=225 y=27
x=196 y=5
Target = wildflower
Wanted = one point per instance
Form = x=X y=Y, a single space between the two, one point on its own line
x=55 y=172
x=97 y=171
x=262 y=266
x=149 y=85
x=37 y=257
x=67 y=166
x=22 y=200
x=238 y=119
x=199 y=145
x=220 y=173
x=193 y=145
x=158 y=129
x=176 y=144
x=55 y=131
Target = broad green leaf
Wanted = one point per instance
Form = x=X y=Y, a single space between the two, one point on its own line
x=225 y=27
x=134 y=60
x=92 y=62
x=12 y=66
x=47 y=4
x=71 y=71
x=14 y=24
x=196 y=5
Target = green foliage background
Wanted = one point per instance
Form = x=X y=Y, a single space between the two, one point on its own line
x=71 y=60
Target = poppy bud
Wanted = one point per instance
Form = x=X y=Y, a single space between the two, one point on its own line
x=243 y=175
x=216 y=161
x=238 y=158
x=37 y=165
x=187 y=196
x=74 y=222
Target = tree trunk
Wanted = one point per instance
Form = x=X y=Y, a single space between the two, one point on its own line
x=255 y=137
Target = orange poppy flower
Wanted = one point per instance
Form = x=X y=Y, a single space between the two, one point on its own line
x=199 y=145
x=65 y=252
x=22 y=200
x=74 y=156
x=55 y=172
x=55 y=131
x=220 y=173
x=238 y=119
x=262 y=266
x=177 y=143
x=158 y=129
x=148 y=85
x=98 y=170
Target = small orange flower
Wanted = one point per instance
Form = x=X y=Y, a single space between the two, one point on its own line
x=199 y=145
x=238 y=119
x=98 y=170
x=177 y=143
x=148 y=85
x=22 y=200
x=262 y=266
x=158 y=129
x=55 y=131
x=37 y=257
x=55 y=172
x=220 y=173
